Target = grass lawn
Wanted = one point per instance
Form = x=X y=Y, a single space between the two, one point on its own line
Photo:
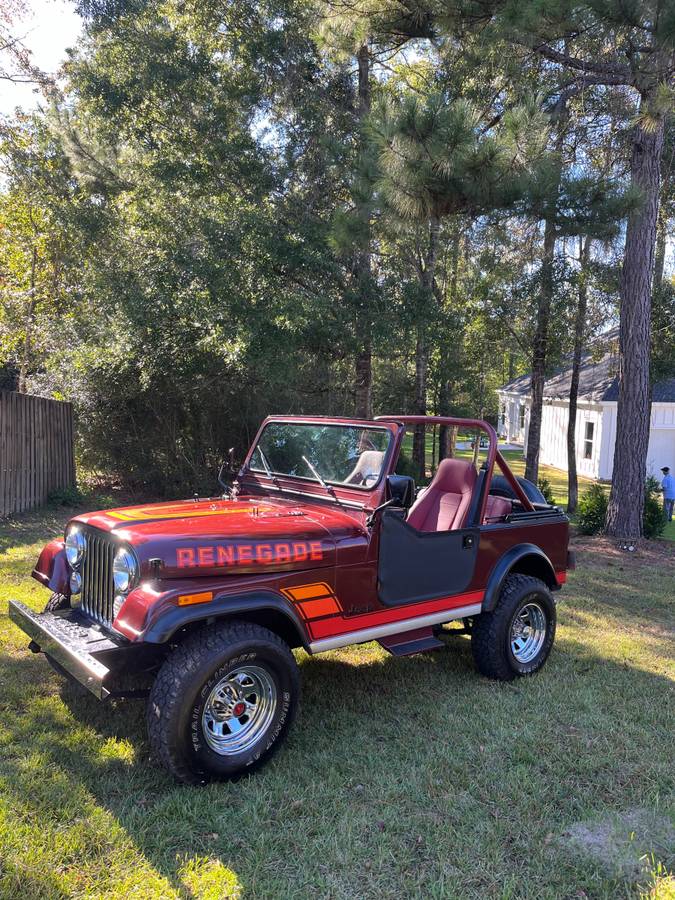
x=401 y=777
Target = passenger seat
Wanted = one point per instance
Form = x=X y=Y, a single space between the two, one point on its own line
x=496 y=509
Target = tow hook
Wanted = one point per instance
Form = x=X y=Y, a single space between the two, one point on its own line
x=34 y=648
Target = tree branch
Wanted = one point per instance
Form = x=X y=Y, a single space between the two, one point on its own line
x=607 y=73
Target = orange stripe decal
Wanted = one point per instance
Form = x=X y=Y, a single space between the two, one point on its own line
x=313 y=600
x=308 y=591
x=325 y=606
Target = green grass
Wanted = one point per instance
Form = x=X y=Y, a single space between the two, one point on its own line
x=401 y=777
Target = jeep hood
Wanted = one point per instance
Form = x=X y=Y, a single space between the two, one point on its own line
x=214 y=537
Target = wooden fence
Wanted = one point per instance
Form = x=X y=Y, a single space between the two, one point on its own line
x=36 y=450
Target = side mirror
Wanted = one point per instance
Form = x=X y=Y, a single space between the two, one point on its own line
x=401 y=490
x=226 y=470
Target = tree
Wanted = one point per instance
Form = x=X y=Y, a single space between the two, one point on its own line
x=579 y=335
x=438 y=160
x=616 y=46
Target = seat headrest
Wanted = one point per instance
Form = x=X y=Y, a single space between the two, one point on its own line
x=455 y=476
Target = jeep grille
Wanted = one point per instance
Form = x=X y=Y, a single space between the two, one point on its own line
x=98 y=590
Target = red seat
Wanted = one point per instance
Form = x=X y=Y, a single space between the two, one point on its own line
x=497 y=508
x=444 y=504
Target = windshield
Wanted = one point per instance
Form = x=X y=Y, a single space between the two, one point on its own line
x=348 y=455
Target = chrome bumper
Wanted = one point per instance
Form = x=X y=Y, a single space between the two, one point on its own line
x=68 y=641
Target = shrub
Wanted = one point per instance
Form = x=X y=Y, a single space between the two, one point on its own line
x=592 y=510
x=67 y=496
x=653 y=520
x=546 y=488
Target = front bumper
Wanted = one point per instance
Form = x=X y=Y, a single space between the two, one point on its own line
x=71 y=640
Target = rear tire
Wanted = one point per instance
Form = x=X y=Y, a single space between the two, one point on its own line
x=222 y=702
x=517 y=636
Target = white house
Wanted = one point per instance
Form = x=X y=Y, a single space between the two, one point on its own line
x=596 y=415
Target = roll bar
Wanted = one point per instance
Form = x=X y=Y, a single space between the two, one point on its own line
x=493 y=453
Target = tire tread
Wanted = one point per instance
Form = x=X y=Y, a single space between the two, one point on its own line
x=177 y=671
x=488 y=628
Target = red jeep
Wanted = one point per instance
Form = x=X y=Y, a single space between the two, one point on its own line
x=319 y=543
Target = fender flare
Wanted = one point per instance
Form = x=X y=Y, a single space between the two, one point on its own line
x=168 y=622
x=52 y=569
x=505 y=565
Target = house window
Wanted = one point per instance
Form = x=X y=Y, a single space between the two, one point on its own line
x=521 y=417
x=588 y=440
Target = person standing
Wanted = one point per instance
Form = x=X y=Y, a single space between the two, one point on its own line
x=668 y=488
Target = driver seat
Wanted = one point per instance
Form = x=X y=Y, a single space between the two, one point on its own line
x=444 y=504
x=368 y=465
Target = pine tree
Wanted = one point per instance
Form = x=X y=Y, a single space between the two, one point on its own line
x=616 y=45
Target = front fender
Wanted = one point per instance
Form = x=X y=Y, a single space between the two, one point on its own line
x=528 y=559
x=52 y=569
x=167 y=618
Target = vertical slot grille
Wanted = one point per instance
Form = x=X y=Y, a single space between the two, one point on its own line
x=97 y=577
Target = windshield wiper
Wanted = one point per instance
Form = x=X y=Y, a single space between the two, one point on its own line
x=319 y=478
x=272 y=477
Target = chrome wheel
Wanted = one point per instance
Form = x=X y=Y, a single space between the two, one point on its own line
x=528 y=632
x=239 y=710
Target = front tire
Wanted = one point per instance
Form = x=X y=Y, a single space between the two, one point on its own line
x=57 y=602
x=517 y=636
x=222 y=702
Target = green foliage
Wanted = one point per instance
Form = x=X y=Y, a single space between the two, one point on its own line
x=653 y=520
x=547 y=490
x=68 y=496
x=205 y=227
x=592 y=510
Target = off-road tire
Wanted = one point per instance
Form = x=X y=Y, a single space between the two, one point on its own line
x=56 y=602
x=491 y=631
x=183 y=684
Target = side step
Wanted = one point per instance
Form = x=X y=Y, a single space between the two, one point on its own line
x=421 y=640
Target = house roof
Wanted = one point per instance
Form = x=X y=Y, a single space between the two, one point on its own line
x=598 y=376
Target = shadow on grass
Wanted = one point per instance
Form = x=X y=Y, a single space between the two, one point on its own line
x=378 y=719
x=31 y=527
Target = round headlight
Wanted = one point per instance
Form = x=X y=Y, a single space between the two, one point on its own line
x=75 y=582
x=76 y=545
x=124 y=570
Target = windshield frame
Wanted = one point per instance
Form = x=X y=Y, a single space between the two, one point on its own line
x=309 y=479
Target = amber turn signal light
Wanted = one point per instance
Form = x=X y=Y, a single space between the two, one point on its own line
x=189 y=599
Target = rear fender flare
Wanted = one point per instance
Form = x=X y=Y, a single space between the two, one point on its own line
x=527 y=559
x=246 y=605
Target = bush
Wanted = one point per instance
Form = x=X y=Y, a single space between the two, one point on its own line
x=592 y=510
x=653 y=520
x=546 y=488
x=67 y=496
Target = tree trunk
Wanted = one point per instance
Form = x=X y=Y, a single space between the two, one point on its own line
x=545 y=299
x=539 y=352
x=579 y=332
x=660 y=249
x=447 y=436
x=363 y=387
x=427 y=274
x=363 y=402
x=418 y=452
x=662 y=222
x=626 y=499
